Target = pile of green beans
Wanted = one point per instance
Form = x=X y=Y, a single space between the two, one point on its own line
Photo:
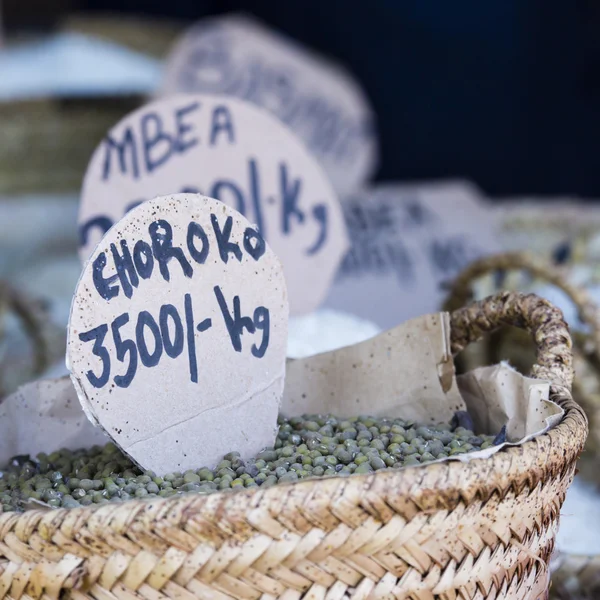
x=307 y=446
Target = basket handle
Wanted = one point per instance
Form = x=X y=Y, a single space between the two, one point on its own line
x=461 y=291
x=541 y=319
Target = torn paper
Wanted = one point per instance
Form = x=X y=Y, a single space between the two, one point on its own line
x=405 y=372
x=498 y=395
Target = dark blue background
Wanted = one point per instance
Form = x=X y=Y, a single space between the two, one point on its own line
x=506 y=92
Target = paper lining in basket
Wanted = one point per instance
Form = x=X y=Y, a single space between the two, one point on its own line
x=405 y=372
x=409 y=372
x=44 y=416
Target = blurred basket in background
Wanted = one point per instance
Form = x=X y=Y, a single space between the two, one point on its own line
x=45 y=145
x=45 y=342
x=65 y=90
x=576 y=578
x=153 y=37
x=562 y=230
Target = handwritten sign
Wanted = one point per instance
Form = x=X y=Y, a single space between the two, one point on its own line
x=318 y=100
x=232 y=151
x=407 y=240
x=177 y=335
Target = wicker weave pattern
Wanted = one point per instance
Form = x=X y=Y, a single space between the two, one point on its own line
x=374 y=533
x=452 y=531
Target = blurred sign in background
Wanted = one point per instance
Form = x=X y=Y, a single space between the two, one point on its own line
x=501 y=92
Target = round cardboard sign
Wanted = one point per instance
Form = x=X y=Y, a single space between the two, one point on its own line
x=235 y=152
x=317 y=99
x=177 y=334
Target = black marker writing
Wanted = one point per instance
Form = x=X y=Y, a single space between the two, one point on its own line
x=327 y=127
x=147 y=145
x=248 y=198
x=154 y=339
x=236 y=323
x=162 y=251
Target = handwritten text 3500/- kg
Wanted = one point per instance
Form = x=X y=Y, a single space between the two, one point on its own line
x=152 y=141
x=172 y=328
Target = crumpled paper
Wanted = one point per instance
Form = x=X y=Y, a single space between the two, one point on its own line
x=44 y=416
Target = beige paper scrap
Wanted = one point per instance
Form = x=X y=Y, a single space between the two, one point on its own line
x=407 y=242
x=498 y=395
x=405 y=372
x=44 y=416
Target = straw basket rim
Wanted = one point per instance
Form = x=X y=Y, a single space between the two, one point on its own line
x=235 y=517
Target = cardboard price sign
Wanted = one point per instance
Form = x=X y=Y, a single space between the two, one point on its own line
x=177 y=335
x=407 y=241
x=318 y=100
x=232 y=151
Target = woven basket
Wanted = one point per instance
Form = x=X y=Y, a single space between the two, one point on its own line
x=510 y=343
x=45 y=145
x=150 y=36
x=534 y=225
x=462 y=531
